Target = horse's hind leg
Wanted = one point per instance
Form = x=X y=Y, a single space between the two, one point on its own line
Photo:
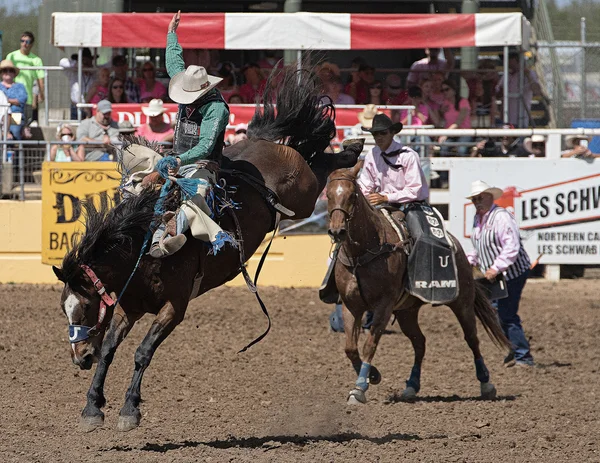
x=166 y=321
x=466 y=317
x=408 y=319
x=368 y=373
x=91 y=416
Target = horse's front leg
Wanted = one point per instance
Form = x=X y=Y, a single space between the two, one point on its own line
x=166 y=321
x=91 y=416
x=367 y=373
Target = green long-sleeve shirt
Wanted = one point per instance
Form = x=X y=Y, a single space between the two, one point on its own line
x=215 y=114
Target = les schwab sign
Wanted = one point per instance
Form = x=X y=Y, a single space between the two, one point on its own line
x=555 y=202
x=64 y=186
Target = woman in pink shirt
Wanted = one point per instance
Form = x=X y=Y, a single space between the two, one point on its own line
x=156 y=129
x=150 y=88
x=457 y=115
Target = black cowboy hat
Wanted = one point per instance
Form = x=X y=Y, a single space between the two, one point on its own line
x=382 y=122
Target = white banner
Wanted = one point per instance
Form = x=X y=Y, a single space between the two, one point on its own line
x=555 y=202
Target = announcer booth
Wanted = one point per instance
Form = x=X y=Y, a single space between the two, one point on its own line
x=555 y=200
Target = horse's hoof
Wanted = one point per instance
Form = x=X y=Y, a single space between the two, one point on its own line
x=127 y=423
x=357 y=397
x=488 y=391
x=91 y=423
x=374 y=376
x=408 y=394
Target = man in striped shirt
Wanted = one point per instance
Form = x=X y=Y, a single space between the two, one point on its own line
x=497 y=248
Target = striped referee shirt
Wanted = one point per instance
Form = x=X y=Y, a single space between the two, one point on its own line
x=497 y=244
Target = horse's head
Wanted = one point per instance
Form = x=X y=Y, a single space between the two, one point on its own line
x=342 y=192
x=89 y=308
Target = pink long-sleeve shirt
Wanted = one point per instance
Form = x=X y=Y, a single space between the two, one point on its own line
x=507 y=234
x=401 y=185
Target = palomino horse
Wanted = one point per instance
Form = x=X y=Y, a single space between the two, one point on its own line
x=285 y=152
x=370 y=275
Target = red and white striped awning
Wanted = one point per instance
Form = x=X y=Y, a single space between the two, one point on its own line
x=291 y=31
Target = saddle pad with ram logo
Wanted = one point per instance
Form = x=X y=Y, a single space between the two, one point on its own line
x=432 y=275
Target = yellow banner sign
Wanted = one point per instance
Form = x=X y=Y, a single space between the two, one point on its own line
x=64 y=186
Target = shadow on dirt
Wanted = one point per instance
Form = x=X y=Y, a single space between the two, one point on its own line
x=269 y=442
x=396 y=398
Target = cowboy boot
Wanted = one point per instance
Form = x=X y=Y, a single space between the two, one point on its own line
x=167 y=246
x=354 y=145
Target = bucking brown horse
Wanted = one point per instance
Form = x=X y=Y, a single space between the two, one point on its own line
x=285 y=152
x=370 y=276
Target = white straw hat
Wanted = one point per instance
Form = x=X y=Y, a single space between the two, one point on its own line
x=479 y=186
x=189 y=85
x=154 y=108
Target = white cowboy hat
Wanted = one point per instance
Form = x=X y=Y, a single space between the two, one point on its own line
x=189 y=85
x=154 y=108
x=479 y=186
x=367 y=115
x=569 y=139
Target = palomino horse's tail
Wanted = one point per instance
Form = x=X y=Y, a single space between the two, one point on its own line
x=487 y=315
x=304 y=118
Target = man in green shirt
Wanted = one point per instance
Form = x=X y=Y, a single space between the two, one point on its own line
x=24 y=57
x=198 y=143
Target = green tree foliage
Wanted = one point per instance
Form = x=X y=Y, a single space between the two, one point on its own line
x=14 y=23
x=566 y=16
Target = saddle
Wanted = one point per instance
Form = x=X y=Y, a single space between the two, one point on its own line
x=431 y=271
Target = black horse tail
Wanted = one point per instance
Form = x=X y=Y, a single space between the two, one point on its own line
x=488 y=316
x=304 y=119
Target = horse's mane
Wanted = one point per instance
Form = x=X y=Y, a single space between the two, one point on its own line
x=304 y=119
x=111 y=231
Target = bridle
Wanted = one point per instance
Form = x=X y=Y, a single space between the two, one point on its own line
x=79 y=333
x=348 y=215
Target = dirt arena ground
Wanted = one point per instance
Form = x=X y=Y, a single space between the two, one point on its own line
x=284 y=399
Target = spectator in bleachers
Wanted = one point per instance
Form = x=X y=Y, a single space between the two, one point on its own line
x=437 y=79
x=228 y=86
x=99 y=89
x=254 y=82
x=457 y=115
x=433 y=106
x=535 y=146
x=333 y=88
x=531 y=87
x=150 y=88
x=420 y=114
x=100 y=128
x=120 y=67
x=483 y=107
x=361 y=80
x=116 y=91
x=376 y=94
x=87 y=79
x=156 y=128
x=509 y=147
x=328 y=71
x=240 y=133
x=432 y=62
x=393 y=92
x=236 y=98
x=66 y=152
x=4 y=106
x=270 y=61
x=16 y=94
x=24 y=57
x=577 y=147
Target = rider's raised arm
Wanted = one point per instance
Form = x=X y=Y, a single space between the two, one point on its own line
x=174 y=53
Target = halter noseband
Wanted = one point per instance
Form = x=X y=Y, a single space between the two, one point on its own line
x=79 y=333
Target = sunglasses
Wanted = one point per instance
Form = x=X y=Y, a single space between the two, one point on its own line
x=148 y=70
x=117 y=86
x=378 y=87
x=446 y=89
x=379 y=133
x=26 y=41
x=11 y=70
x=69 y=134
x=477 y=198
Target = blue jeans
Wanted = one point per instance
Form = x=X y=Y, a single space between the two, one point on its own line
x=337 y=323
x=510 y=320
